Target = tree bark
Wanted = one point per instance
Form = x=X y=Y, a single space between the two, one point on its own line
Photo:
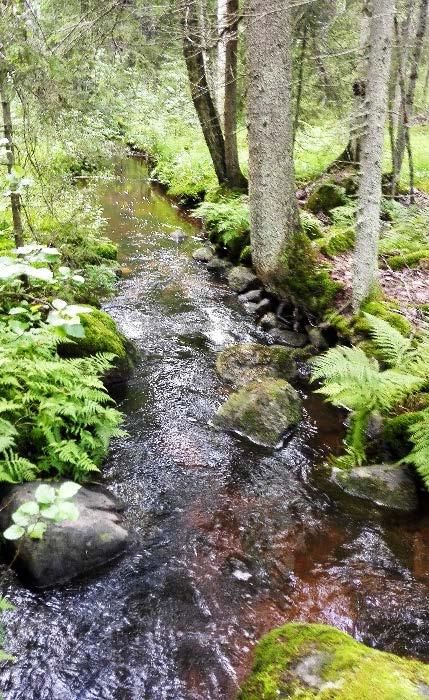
x=235 y=177
x=370 y=193
x=300 y=81
x=15 y=199
x=408 y=102
x=273 y=208
x=200 y=93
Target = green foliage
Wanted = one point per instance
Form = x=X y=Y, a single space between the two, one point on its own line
x=50 y=505
x=398 y=262
x=352 y=380
x=101 y=336
x=228 y=222
x=408 y=233
x=336 y=241
x=386 y=310
x=100 y=282
x=56 y=416
x=311 y=225
x=246 y=256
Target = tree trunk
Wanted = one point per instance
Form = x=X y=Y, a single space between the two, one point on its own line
x=235 y=177
x=300 y=81
x=273 y=208
x=408 y=102
x=200 y=93
x=222 y=21
x=15 y=199
x=369 y=196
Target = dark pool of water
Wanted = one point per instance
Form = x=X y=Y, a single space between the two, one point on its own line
x=228 y=539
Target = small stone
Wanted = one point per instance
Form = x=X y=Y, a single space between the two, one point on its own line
x=289 y=338
x=255 y=296
x=220 y=265
x=178 y=236
x=241 y=279
x=269 y=321
x=385 y=485
x=203 y=255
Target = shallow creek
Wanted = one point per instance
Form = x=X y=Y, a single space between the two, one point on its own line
x=228 y=539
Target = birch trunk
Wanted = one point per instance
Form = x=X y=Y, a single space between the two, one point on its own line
x=15 y=199
x=369 y=196
x=235 y=177
x=273 y=208
x=408 y=102
x=200 y=92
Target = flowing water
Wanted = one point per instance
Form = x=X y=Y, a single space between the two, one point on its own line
x=228 y=539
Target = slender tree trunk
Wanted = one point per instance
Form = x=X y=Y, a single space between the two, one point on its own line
x=369 y=196
x=408 y=102
x=273 y=207
x=206 y=40
x=222 y=22
x=15 y=199
x=300 y=81
x=200 y=93
x=235 y=177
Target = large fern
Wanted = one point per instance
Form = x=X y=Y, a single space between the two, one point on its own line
x=55 y=414
x=353 y=380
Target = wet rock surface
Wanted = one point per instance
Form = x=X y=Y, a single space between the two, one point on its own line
x=240 y=364
x=263 y=411
x=241 y=279
x=386 y=485
x=68 y=549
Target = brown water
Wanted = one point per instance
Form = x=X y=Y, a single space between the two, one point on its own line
x=228 y=539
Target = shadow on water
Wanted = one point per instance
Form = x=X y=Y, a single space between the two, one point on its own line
x=228 y=539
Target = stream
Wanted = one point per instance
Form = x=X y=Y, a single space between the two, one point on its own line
x=227 y=539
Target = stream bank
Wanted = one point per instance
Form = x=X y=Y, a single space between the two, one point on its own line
x=229 y=539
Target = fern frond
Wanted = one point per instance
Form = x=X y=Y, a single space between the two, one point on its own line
x=391 y=344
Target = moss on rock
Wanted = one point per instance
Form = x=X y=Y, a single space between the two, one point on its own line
x=388 y=311
x=240 y=364
x=338 y=240
x=311 y=225
x=246 y=256
x=398 y=262
x=318 y=662
x=263 y=411
x=106 y=250
x=326 y=197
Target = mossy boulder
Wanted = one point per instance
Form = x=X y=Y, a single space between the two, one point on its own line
x=386 y=485
x=106 y=250
x=419 y=258
x=240 y=364
x=325 y=197
x=241 y=279
x=318 y=662
x=337 y=240
x=102 y=335
x=263 y=411
x=311 y=225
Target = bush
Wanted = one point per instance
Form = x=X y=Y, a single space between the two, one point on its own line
x=228 y=223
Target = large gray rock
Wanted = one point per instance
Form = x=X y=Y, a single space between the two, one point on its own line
x=71 y=548
x=241 y=279
x=220 y=265
x=386 y=485
x=263 y=411
x=289 y=338
x=241 y=364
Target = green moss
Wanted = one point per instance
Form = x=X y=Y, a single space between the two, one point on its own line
x=241 y=364
x=338 y=240
x=101 y=335
x=106 y=250
x=326 y=197
x=385 y=310
x=311 y=225
x=308 y=284
x=338 y=667
x=398 y=262
x=246 y=256
x=340 y=323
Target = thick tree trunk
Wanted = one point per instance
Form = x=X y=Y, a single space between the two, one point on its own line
x=15 y=199
x=200 y=93
x=235 y=177
x=273 y=207
x=300 y=81
x=369 y=196
x=408 y=102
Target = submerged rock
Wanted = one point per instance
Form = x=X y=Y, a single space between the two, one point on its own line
x=313 y=661
x=220 y=265
x=254 y=296
x=241 y=364
x=204 y=254
x=386 y=485
x=241 y=279
x=70 y=548
x=263 y=411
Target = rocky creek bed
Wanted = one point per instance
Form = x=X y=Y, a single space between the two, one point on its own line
x=228 y=538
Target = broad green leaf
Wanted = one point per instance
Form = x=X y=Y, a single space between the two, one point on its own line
x=17 y=326
x=59 y=304
x=75 y=309
x=45 y=494
x=29 y=508
x=39 y=273
x=21 y=519
x=68 y=490
x=16 y=310
x=14 y=532
x=51 y=512
x=67 y=511
x=5 y=604
x=37 y=530
x=75 y=330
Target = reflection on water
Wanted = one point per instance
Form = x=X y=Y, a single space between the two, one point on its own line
x=229 y=539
